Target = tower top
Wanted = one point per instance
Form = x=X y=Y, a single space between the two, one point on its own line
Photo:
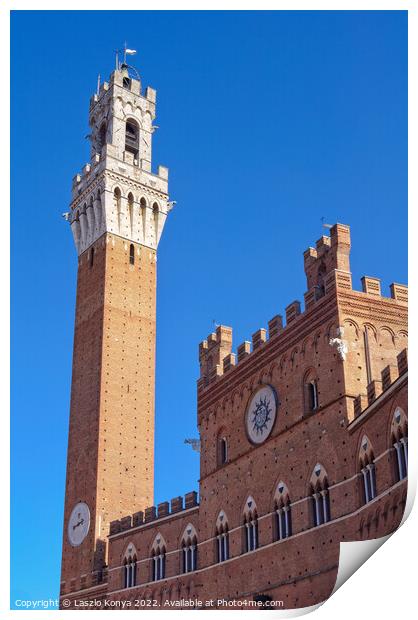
x=117 y=191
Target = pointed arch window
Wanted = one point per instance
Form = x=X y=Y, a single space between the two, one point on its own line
x=311 y=394
x=283 y=512
x=400 y=442
x=222 y=448
x=368 y=470
x=250 y=526
x=158 y=556
x=117 y=200
x=321 y=512
x=222 y=538
x=131 y=212
x=189 y=550
x=132 y=137
x=132 y=254
x=129 y=568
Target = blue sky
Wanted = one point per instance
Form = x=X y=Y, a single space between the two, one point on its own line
x=268 y=122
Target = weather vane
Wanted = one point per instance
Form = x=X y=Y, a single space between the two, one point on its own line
x=327 y=226
x=126 y=52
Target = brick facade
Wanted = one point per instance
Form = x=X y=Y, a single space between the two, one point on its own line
x=329 y=469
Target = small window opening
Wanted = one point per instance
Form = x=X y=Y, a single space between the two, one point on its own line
x=132 y=254
x=132 y=138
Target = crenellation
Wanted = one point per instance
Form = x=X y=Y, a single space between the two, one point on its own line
x=275 y=325
x=190 y=500
x=176 y=504
x=243 y=350
x=389 y=374
x=228 y=362
x=153 y=513
x=402 y=359
x=292 y=311
x=138 y=518
x=310 y=297
x=371 y=286
x=126 y=523
x=150 y=514
x=374 y=390
x=361 y=402
x=399 y=292
x=163 y=509
x=151 y=94
x=258 y=338
x=322 y=245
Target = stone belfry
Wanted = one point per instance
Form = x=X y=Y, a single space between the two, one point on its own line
x=118 y=211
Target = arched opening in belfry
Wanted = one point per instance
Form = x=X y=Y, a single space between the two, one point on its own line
x=132 y=138
x=101 y=137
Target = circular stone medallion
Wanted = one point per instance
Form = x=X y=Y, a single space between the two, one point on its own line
x=261 y=414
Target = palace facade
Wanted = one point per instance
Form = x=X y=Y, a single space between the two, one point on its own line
x=303 y=431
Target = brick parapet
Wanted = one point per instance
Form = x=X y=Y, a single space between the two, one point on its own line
x=152 y=515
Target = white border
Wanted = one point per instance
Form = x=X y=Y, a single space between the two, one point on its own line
x=386 y=585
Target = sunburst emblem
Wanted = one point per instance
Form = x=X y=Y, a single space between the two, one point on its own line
x=261 y=415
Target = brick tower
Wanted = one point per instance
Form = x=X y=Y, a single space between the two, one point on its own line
x=118 y=212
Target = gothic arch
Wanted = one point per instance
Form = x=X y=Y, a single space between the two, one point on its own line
x=398 y=424
x=249 y=506
x=318 y=478
x=365 y=452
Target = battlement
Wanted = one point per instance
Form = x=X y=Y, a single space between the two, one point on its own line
x=377 y=387
x=327 y=269
x=81 y=181
x=154 y=513
x=120 y=78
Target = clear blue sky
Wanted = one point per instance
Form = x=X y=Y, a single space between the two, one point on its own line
x=268 y=121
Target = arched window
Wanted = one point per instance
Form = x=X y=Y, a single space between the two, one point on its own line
x=311 y=394
x=117 y=199
x=92 y=215
x=129 y=567
x=158 y=553
x=368 y=469
x=132 y=137
x=250 y=525
x=320 y=496
x=222 y=448
x=155 y=213
x=189 y=550
x=399 y=434
x=132 y=254
x=131 y=212
x=101 y=137
x=222 y=538
x=283 y=512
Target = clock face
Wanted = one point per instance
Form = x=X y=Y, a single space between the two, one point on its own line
x=78 y=524
x=261 y=414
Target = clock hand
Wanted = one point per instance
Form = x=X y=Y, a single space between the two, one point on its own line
x=79 y=523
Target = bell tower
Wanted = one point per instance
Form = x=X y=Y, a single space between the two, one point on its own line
x=118 y=211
